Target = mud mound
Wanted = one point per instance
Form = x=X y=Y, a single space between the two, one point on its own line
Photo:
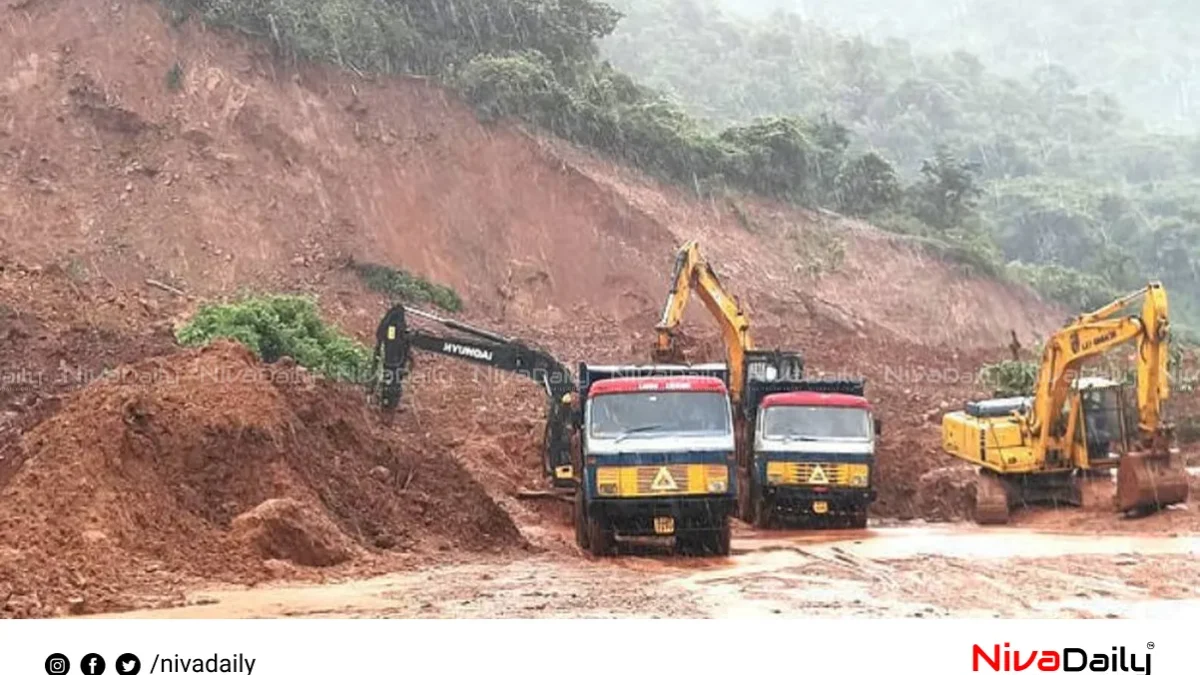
x=285 y=529
x=946 y=494
x=133 y=487
x=56 y=335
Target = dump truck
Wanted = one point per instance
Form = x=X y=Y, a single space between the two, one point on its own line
x=643 y=452
x=805 y=447
x=655 y=458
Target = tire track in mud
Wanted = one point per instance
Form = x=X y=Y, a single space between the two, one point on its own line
x=911 y=572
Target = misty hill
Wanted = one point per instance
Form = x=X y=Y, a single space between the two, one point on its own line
x=1146 y=53
x=1076 y=192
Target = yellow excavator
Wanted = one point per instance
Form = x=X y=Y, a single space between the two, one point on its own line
x=1036 y=449
x=692 y=272
x=804 y=447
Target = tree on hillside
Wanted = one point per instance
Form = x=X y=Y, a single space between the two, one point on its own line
x=867 y=185
x=947 y=193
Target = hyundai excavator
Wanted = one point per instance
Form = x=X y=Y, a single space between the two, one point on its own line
x=804 y=447
x=1036 y=449
x=395 y=340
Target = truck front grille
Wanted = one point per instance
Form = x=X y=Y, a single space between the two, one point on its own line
x=813 y=473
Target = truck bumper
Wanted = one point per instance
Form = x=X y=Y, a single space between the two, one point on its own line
x=803 y=500
x=636 y=517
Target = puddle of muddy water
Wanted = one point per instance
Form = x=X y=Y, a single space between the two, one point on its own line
x=1125 y=609
x=978 y=543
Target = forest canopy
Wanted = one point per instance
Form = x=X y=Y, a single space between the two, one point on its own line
x=1074 y=190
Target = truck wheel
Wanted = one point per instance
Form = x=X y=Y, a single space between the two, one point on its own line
x=857 y=520
x=722 y=540
x=600 y=538
x=688 y=544
x=760 y=513
x=745 y=510
x=581 y=522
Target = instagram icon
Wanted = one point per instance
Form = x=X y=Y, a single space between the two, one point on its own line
x=57 y=664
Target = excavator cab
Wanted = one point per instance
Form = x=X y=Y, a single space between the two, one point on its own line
x=1105 y=427
x=1149 y=473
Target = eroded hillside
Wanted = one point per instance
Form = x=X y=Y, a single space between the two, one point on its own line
x=244 y=172
x=134 y=150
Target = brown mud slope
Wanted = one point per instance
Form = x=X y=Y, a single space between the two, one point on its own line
x=136 y=485
x=254 y=174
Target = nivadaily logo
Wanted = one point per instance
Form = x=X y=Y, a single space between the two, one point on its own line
x=1069 y=660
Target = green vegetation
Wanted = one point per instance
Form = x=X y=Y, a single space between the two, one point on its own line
x=174 y=78
x=1010 y=378
x=1031 y=167
x=275 y=326
x=1143 y=52
x=536 y=60
x=984 y=169
x=400 y=285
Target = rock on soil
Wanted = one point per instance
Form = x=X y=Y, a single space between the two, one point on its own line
x=286 y=529
x=131 y=489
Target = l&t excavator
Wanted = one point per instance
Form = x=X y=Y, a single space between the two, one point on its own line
x=1034 y=449
x=804 y=447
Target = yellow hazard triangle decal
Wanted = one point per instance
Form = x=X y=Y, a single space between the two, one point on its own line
x=664 y=481
x=818 y=475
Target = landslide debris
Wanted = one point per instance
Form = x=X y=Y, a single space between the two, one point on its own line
x=211 y=466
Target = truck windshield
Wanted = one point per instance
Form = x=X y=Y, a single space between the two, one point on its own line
x=816 y=422
x=660 y=413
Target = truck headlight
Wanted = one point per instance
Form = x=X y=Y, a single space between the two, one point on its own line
x=776 y=472
x=716 y=478
x=860 y=475
x=608 y=481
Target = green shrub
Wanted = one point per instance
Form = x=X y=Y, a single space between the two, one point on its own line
x=366 y=35
x=1077 y=290
x=521 y=85
x=867 y=185
x=174 y=77
x=274 y=326
x=972 y=251
x=776 y=157
x=1010 y=378
x=400 y=285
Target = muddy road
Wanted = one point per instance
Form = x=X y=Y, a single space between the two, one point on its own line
x=928 y=571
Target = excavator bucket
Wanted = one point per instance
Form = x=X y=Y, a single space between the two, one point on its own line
x=1148 y=481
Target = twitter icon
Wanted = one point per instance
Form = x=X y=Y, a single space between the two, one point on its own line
x=128 y=664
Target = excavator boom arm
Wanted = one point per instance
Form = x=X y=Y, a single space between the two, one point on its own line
x=693 y=273
x=1096 y=333
x=395 y=340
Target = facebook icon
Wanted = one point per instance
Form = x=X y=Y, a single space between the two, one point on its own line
x=92 y=664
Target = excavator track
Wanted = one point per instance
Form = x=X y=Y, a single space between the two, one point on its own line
x=991 y=499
